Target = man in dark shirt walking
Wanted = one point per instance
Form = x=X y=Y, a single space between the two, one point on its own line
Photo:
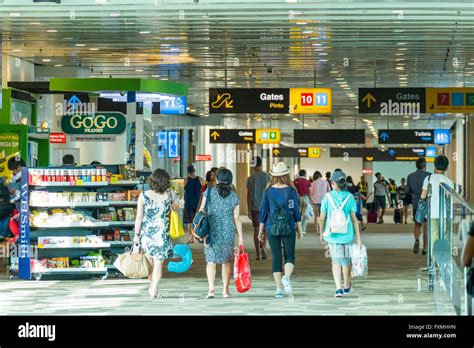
x=414 y=187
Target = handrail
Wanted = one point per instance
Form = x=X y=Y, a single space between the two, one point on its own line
x=451 y=271
x=457 y=196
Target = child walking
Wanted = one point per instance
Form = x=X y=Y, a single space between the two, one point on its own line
x=339 y=222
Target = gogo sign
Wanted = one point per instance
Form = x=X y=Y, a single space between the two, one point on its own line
x=111 y=123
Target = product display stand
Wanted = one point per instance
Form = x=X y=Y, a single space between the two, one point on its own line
x=78 y=226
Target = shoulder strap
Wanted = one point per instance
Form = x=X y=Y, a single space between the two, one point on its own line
x=333 y=204
x=208 y=198
x=345 y=201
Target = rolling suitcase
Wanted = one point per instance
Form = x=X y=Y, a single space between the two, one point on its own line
x=397 y=216
x=371 y=217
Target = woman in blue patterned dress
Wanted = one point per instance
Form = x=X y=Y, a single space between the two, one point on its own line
x=224 y=216
x=152 y=225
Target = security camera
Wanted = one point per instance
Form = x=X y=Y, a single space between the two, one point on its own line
x=123 y=93
x=333 y=120
x=269 y=70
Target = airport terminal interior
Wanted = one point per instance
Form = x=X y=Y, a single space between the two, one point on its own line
x=98 y=94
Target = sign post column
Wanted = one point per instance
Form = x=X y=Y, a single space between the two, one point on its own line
x=132 y=114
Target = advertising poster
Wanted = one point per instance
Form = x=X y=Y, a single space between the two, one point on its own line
x=9 y=148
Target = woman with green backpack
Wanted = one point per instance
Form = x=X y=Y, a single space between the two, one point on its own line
x=280 y=215
x=339 y=222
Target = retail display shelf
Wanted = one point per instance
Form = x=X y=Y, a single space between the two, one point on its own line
x=85 y=205
x=71 y=184
x=99 y=270
x=74 y=246
x=96 y=224
x=121 y=203
x=71 y=205
x=120 y=243
x=88 y=184
x=120 y=223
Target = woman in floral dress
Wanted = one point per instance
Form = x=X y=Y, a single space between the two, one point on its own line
x=224 y=216
x=152 y=225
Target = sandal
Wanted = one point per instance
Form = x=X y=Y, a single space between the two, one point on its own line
x=211 y=294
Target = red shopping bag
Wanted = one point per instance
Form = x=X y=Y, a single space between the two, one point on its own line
x=242 y=278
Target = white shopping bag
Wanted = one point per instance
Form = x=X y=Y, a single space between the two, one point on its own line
x=309 y=213
x=359 y=261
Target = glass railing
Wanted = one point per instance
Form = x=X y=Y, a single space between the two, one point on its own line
x=447 y=232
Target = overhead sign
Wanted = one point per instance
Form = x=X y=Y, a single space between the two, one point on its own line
x=174 y=105
x=392 y=101
x=376 y=154
x=110 y=123
x=173 y=147
x=233 y=136
x=414 y=136
x=327 y=136
x=249 y=100
x=290 y=152
x=314 y=152
x=430 y=152
x=268 y=136
x=442 y=136
x=57 y=138
x=203 y=158
x=310 y=100
x=450 y=100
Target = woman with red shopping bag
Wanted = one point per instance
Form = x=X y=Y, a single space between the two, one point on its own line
x=242 y=278
x=223 y=212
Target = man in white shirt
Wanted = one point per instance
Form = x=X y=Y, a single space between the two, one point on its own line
x=441 y=164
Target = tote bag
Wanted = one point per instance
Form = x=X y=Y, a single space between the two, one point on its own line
x=134 y=265
x=176 y=227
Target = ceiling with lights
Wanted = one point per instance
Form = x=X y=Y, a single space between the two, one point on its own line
x=257 y=43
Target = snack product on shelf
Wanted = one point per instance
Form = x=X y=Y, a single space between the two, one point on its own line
x=56 y=216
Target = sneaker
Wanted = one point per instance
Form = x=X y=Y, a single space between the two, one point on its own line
x=416 y=247
x=279 y=293
x=264 y=254
x=339 y=293
x=348 y=290
x=287 y=285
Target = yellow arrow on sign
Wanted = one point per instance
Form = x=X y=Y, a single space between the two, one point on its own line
x=369 y=98
x=276 y=152
x=215 y=135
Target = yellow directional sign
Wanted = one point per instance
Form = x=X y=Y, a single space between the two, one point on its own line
x=223 y=99
x=276 y=152
x=310 y=100
x=314 y=152
x=449 y=100
x=268 y=136
x=215 y=135
x=368 y=98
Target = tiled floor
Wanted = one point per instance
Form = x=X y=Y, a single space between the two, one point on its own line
x=390 y=289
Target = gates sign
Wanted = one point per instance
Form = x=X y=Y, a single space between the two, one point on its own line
x=110 y=123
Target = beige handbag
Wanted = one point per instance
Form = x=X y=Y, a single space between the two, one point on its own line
x=134 y=265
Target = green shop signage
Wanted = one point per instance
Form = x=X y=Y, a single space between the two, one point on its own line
x=111 y=123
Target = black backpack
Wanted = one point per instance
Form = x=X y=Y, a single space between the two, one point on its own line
x=280 y=219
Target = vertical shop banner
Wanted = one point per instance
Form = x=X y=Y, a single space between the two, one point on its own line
x=24 y=243
x=173 y=147
x=9 y=148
